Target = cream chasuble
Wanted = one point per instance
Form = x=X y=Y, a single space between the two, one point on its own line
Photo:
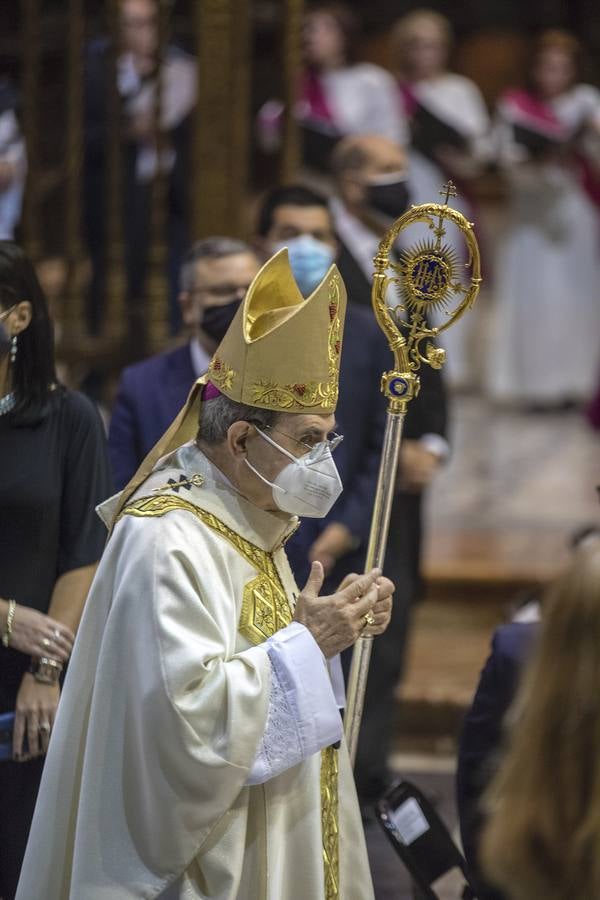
x=147 y=790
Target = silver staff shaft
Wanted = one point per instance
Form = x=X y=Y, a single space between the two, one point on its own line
x=380 y=523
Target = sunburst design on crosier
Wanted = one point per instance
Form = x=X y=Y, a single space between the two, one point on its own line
x=427 y=277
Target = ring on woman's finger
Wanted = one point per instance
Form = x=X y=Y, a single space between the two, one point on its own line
x=57 y=633
x=47 y=642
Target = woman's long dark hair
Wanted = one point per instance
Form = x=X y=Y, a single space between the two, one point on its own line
x=33 y=372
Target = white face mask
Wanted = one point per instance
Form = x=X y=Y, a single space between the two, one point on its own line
x=308 y=486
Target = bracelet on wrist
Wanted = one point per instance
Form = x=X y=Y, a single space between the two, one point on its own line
x=46 y=670
x=10 y=616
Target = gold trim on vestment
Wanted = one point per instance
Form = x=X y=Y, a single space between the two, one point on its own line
x=265 y=610
x=329 y=822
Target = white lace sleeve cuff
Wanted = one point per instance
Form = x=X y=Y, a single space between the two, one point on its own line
x=303 y=715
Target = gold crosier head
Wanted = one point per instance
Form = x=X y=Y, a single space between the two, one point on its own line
x=282 y=351
x=428 y=277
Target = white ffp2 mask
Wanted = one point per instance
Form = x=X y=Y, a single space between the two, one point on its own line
x=308 y=486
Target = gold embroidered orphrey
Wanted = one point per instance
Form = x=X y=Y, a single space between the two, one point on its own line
x=310 y=393
x=265 y=609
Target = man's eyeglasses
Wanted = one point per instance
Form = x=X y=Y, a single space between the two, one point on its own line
x=223 y=290
x=330 y=443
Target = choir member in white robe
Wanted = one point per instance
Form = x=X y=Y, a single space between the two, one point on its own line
x=545 y=349
x=338 y=95
x=198 y=749
x=450 y=138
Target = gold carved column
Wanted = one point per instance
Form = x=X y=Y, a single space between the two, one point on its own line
x=293 y=11
x=114 y=305
x=73 y=161
x=222 y=117
x=30 y=30
x=156 y=301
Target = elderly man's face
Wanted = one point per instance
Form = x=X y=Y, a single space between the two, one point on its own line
x=217 y=282
x=295 y=432
x=139 y=27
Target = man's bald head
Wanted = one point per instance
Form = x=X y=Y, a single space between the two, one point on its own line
x=358 y=160
x=368 y=154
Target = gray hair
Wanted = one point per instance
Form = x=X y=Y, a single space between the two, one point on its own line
x=220 y=413
x=209 y=248
x=349 y=155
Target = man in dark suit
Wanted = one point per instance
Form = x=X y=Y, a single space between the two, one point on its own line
x=299 y=218
x=214 y=279
x=370 y=174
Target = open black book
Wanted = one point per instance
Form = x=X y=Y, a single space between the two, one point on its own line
x=429 y=131
x=538 y=143
x=318 y=141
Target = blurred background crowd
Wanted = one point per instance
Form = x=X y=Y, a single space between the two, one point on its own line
x=153 y=154
x=109 y=181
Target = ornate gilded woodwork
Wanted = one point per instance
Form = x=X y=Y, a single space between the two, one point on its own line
x=157 y=288
x=222 y=117
x=115 y=313
x=73 y=162
x=292 y=15
x=30 y=31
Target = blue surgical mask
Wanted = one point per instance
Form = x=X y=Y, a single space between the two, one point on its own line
x=310 y=260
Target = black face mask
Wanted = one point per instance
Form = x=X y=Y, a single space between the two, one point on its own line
x=217 y=319
x=390 y=199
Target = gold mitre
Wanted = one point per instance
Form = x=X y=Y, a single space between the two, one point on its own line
x=282 y=351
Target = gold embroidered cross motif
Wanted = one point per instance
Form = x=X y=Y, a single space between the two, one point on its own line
x=265 y=609
x=195 y=480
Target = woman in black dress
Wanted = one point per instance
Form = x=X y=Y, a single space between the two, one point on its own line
x=53 y=472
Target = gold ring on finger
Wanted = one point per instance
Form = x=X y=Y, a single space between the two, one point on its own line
x=47 y=642
x=368 y=619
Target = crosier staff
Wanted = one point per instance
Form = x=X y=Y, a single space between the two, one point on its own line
x=426 y=277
